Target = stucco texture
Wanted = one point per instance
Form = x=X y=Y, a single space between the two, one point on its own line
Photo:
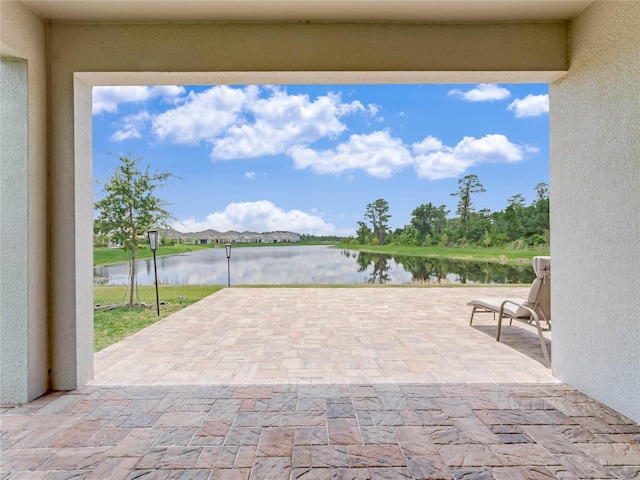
x=24 y=219
x=595 y=222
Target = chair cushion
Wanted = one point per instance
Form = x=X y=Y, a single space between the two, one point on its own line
x=493 y=305
x=541 y=266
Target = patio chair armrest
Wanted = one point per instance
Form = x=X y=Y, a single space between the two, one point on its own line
x=534 y=315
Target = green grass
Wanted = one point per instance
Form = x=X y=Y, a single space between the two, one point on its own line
x=102 y=255
x=459 y=253
x=112 y=324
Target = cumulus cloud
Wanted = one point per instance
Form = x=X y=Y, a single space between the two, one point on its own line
x=448 y=161
x=282 y=121
x=376 y=153
x=254 y=121
x=131 y=126
x=429 y=144
x=203 y=115
x=107 y=99
x=260 y=216
x=238 y=123
x=484 y=92
x=530 y=106
x=380 y=155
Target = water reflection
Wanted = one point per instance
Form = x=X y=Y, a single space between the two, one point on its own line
x=447 y=270
x=309 y=265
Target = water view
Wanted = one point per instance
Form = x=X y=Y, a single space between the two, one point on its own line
x=304 y=265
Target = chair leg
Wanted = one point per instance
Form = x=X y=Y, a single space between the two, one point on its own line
x=499 y=323
x=543 y=344
x=473 y=311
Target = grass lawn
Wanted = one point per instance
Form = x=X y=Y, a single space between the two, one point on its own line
x=112 y=324
x=459 y=253
x=103 y=255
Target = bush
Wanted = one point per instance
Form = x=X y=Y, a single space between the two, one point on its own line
x=537 y=240
x=169 y=241
x=517 y=245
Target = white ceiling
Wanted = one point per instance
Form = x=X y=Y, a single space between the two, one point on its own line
x=413 y=11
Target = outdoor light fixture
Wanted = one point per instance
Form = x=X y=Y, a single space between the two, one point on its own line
x=153 y=240
x=228 y=249
x=153 y=245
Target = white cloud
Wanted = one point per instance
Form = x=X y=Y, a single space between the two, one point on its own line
x=204 y=115
x=429 y=144
x=282 y=121
x=107 y=99
x=377 y=153
x=260 y=216
x=453 y=161
x=530 y=106
x=484 y=92
x=380 y=155
x=131 y=126
x=237 y=123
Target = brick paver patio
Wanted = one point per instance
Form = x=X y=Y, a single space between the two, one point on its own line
x=362 y=383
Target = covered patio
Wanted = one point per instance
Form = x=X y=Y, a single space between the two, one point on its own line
x=323 y=383
x=319 y=405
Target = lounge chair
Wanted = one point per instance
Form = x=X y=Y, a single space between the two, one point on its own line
x=536 y=307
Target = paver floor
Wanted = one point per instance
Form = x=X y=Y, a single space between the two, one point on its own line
x=363 y=383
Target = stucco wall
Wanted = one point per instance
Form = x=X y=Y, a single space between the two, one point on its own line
x=23 y=221
x=14 y=310
x=595 y=222
x=522 y=50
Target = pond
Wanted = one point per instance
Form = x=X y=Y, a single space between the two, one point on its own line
x=303 y=265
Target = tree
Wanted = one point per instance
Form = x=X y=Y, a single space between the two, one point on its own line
x=466 y=186
x=517 y=200
x=537 y=216
x=129 y=208
x=514 y=216
x=362 y=233
x=429 y=220
x=542 y=189
x=378 y=214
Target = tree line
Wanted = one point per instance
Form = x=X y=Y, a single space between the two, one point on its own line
x=517 y=226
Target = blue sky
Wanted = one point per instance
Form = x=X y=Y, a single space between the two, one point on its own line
x=309 y=158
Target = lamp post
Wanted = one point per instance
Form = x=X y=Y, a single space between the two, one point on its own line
x=153 y=245
x=228 y=249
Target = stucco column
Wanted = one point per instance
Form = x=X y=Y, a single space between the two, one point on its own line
x=595 y=208
x=71 y=207
x=14 y=232
x=24 y=345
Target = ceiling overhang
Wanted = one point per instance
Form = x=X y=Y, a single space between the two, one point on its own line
x=315 y=11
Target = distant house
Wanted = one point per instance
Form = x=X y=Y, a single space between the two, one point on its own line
x=281 y=237
x=211 y=236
